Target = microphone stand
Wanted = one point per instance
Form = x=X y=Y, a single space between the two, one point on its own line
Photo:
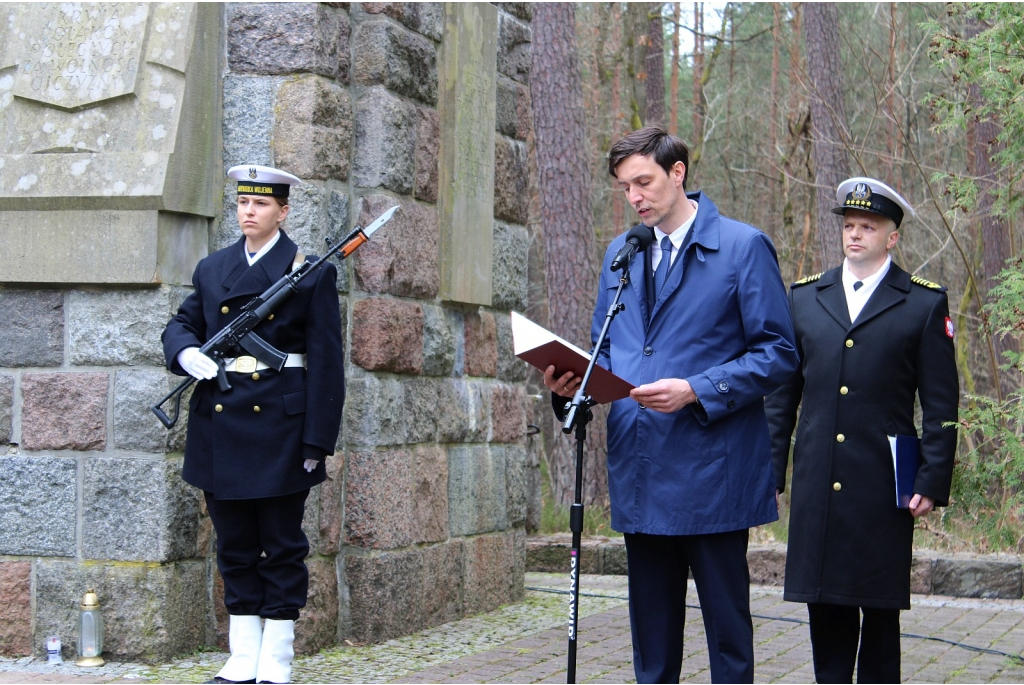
x=577 y=416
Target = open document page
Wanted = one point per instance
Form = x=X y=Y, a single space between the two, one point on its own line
x=541 y=348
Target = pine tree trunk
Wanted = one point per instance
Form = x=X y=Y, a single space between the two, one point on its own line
x=655 y=67
x=828 y=124
x=567 y=231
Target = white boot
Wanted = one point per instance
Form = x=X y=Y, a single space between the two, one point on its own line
x=276 y=653
x=245 y=635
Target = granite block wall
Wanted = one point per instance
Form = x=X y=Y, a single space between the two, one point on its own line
x=433 y=479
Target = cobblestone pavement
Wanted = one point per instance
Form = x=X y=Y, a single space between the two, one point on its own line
x=526 y=643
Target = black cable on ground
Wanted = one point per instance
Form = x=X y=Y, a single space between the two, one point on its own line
x=971 y=648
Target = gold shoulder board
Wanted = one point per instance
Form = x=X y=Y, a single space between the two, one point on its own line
x=928 y=284
x=808 y=279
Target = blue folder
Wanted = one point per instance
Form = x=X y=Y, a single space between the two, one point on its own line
x=906 y=457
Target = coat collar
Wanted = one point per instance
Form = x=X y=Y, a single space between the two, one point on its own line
x=705 y=234
x=891 y=291
x=240 y=279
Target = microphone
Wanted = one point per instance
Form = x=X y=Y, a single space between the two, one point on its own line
x=637 y=240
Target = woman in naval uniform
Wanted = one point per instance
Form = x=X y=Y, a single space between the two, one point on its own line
x=257 y=449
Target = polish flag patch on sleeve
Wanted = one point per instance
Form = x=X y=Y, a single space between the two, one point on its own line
x=949 y=327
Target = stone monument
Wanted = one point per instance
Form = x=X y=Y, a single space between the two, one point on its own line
x=119 y=122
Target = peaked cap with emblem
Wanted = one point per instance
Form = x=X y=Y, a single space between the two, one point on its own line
x=262 y=180
x=871 y=195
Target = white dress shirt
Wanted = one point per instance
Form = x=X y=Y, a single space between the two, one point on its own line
x=263 y=250
x=678 y=237
x=856 y=299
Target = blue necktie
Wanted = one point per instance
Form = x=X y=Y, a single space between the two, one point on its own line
x=858 y=285
x=661 y=273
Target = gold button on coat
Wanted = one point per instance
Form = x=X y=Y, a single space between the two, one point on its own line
x=840 y=438
x=224 y=309
x=256 y=409
x=849 y=343
x=843 y=390
x=270 y=318
x=219 y=407
x=255 y=376
x=837 y=486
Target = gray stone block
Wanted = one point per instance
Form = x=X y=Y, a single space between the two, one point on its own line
x=375 y=413
x=513 y=48
x=38 y=507
x=421 y=399
x=377 y=584
x=135 y=426
x=992 y=577
x=495 y=566
x=424 y=17
x=385 y=142
x=453 y=423
x=515 y=482
x=509 y=281
x=613 y=558
x=151 y=612
x=307 y=222
x=510 y=367
x=428 y=151
x=33 y=328
x=313 y=131
x=511 y=176
x=438 y=343
x=767 y=564
x=118 y=327
x=6 y=407
x=521 y=10
x=477 y=501
x=401 y=61
x=138 y=510
x=505 y=107
x=248 y=121
x=457 y=325
x=480 y=403
x=284 y=38
x=311 y=518
x=338 y=228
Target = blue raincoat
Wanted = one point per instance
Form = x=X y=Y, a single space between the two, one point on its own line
x=722 y=323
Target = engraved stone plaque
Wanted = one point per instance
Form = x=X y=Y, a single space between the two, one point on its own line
x=468 y=77
x=73 y=55
x=109 y=135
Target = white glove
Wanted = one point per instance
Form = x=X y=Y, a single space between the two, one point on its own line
x=197 y=364
x=309 y=465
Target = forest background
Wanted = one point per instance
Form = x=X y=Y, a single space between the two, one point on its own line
x=779 y=102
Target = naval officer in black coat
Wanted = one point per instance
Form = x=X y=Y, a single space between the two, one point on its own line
x=871 y=337
x=256 y=450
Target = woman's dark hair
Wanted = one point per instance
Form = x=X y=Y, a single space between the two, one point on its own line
x=651 y=141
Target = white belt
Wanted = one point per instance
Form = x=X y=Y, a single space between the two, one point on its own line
x=251 y=364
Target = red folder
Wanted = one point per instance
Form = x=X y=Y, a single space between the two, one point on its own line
x=541 y=348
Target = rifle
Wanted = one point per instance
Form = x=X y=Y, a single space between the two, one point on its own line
x=238 y=334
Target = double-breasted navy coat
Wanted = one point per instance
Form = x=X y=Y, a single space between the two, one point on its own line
x=848 y=542
x=722 y=323
x=251 y=441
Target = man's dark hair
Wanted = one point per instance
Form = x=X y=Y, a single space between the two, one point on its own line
x=651 y=141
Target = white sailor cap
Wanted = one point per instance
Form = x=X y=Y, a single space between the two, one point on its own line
x=871 y=195
x=262 y=180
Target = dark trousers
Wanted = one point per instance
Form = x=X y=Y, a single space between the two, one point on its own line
x=835 y=632
x=658 y=567
x=260 y=553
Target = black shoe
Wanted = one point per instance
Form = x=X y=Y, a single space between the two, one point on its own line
x=218 y=679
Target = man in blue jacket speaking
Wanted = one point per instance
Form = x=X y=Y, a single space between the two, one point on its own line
x=705 y=335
